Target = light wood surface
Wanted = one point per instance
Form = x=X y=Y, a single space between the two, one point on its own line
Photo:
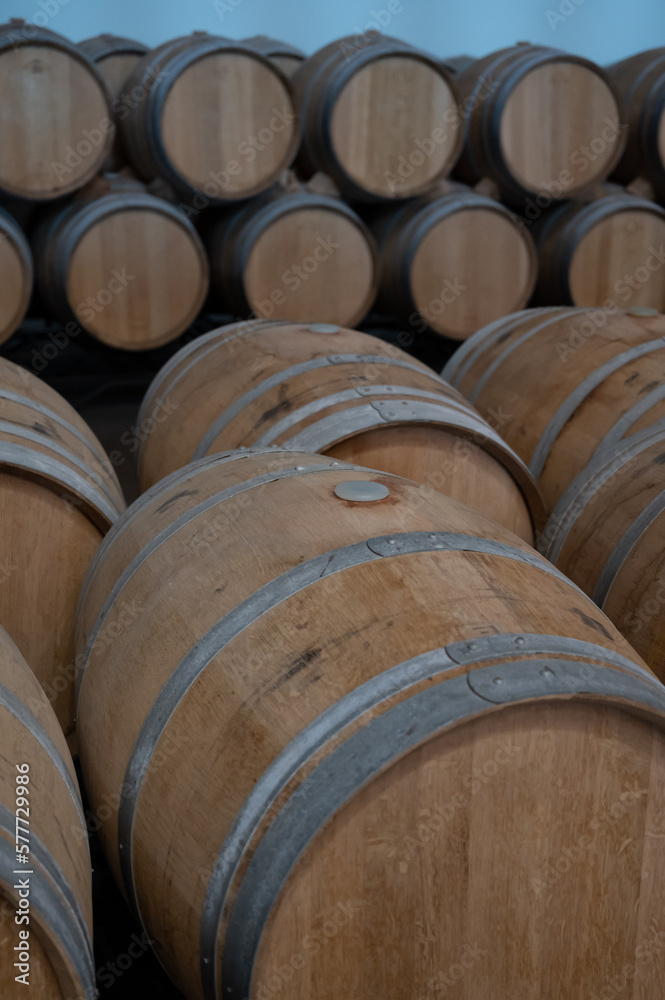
x=445 y=847
x=533 y=367
x=607 y=250
x=296 y=256
x=218 y=119
x=457 y=261
x=607 y=533
x=53 y=100
x=380 y=117
x=557 y=109
x=56 y=837
x=128 y=267
x=533 y=112
x=334 y=403
x=55 y=515
x=15 y=275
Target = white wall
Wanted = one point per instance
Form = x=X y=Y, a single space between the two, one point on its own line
x=604 y=30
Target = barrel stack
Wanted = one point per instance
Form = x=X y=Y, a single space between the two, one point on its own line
x=366 y=683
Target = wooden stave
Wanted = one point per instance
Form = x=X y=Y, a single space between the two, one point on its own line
x=211 y=993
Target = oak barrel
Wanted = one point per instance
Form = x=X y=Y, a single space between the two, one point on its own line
x=45 y=879
x=640 y=80
x=565 y=381
x=607 y=533
x=296 y=256
x=453 y=261
x=129 y=267
x=603 y=252
x=56 y=129
x=335 y=391
x=287 y=57
x=115 y=58
x=380 y=117
x=212 y=116
x=541 y=122
x=338 y=725
x=58 y=496
x=16 y=271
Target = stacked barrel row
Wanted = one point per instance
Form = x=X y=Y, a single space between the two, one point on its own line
x=372 y=128
x=380 y=693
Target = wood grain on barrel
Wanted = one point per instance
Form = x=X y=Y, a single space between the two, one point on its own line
x=456 y=261
x=58 y=496
x=58 y=875
x=611 y=250
x=607 y=534
x=56 y=125
x=128 y=267
x=564 y=379
x=217 y=120
x=379 y=117
x=298 y=256
x=541 y=122
x=256 y=705
x=342 y=393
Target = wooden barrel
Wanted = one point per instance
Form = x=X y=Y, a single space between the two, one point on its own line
x=540 y=122
x=607 y=533
x=287 y=57
x=45 y=883
x=129 y=267
x=59 y=129
x=565 y=381
x=605 y=252
x=339 y=392
x=58 y=496
x=380 y=118
x=453 y=262
x=297 y=256
x=16 y=270
x=352 y=713
x=212 y=116
x=115 y=58
x=641 y=83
